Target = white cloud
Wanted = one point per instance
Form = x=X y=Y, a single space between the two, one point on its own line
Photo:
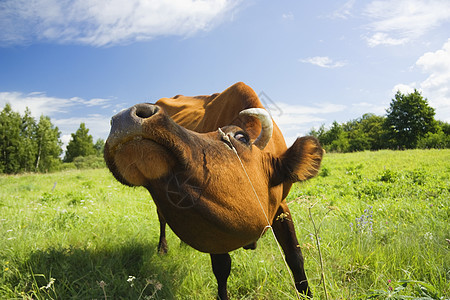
x=436 y=87
x=289 y=16
x=344 y=12
x=99 y=126
x=320 y=108
x=381 y=38
x=106 y=22
x=361 y=108
x=404 y=88
x=61 y=110
x=323 y=61
x=39 y=103
x=401 y=21
x=297 y=120
x=437 y=62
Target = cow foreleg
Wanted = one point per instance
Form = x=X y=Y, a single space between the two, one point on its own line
x=221 y=265
x=285 y=233
x=162 y=245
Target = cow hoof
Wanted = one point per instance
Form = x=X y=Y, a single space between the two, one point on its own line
x=162 y=248
x=304 y=289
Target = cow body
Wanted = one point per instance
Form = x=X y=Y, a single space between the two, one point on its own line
x=215 y=188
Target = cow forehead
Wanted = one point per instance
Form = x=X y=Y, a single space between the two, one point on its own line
x=207 y=113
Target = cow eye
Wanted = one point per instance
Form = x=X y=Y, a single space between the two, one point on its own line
x=241 y=137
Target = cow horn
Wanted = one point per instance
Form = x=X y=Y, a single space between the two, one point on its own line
x=266 y=125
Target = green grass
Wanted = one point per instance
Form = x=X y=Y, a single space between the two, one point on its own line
x=384 y=220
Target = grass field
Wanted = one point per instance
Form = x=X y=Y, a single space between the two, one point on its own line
x=384 y=230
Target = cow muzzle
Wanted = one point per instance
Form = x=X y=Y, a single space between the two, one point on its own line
x=135 y=150
x=128 y=123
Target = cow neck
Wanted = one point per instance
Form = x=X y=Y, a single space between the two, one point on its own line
x=230 y=144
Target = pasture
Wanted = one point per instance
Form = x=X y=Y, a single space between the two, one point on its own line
x=381 y=218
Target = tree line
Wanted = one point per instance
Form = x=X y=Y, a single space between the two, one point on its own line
x=409 y=123
x=30 y=145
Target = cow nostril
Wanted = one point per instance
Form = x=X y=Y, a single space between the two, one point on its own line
x=145 y=111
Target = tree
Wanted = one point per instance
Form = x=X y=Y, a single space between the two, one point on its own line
x=334 y=139
x=28 y=148
x=10 y=140
x=366 y=133
x=81 y=144
x=409 y=118
x=334 y=134
x=438 y=140
x=99 y=146
x=318 y=133
x=445 y=127
x=48 y=145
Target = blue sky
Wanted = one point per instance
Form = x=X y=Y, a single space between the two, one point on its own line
x=312 y=62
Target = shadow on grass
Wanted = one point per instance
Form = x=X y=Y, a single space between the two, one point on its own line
x=129 y=271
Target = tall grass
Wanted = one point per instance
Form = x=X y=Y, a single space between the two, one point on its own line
x=383 y=220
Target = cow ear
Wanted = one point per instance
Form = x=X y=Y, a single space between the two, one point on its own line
x=300 y=162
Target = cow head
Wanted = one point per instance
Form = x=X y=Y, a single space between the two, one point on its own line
x=205 y=183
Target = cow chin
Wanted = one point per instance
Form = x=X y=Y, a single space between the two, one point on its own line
x=141 y=160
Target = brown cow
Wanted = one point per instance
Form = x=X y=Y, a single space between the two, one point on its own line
x=194 y=154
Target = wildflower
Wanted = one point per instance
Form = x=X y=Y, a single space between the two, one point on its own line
x=49 y=284
x=333 y=208
x=131 y=280
x=282 y=216
x=364 y=223
x=308 y=246
x=102 y=285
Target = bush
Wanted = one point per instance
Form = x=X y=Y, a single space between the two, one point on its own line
x=438 y=140
x=388 y=176
x=89 y=162
x=324 y=172
x=67 y=166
